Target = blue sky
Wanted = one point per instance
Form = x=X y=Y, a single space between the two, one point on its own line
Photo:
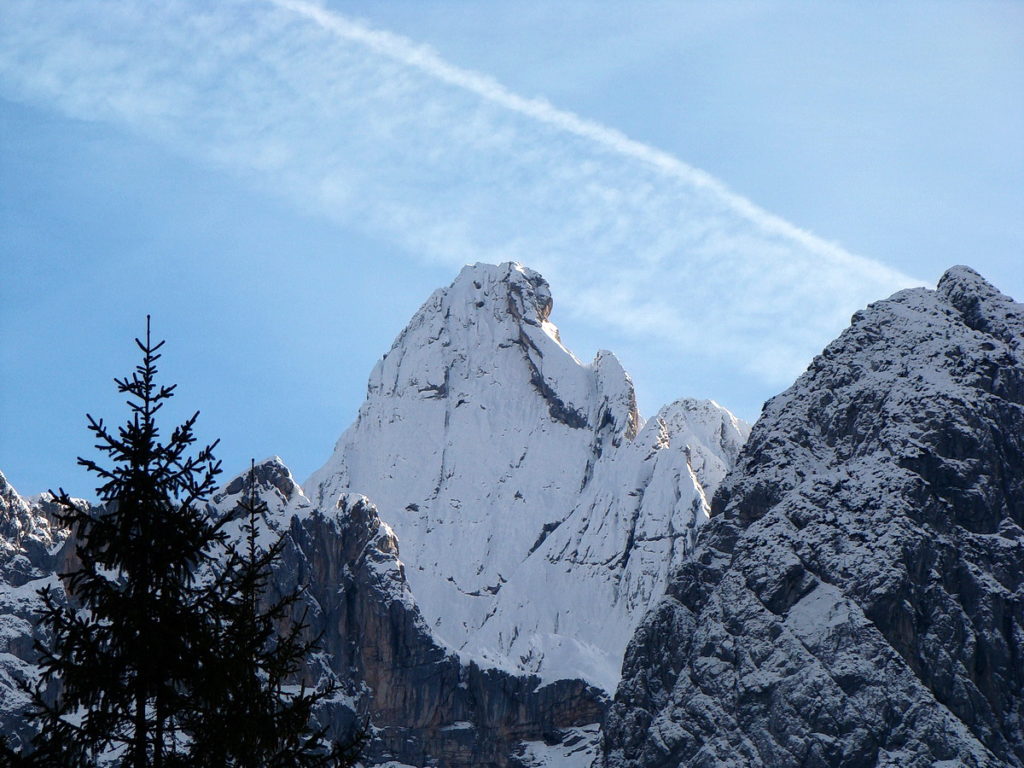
x=282 y=184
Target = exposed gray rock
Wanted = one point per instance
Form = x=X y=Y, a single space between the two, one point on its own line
x=857 y=598
x=425 y=706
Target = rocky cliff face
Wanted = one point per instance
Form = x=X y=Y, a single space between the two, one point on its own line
x=537 y=525
x=857 y=598
x=424 y=704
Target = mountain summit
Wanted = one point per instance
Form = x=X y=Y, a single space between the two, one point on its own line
x=514 y=478
x=857 y=598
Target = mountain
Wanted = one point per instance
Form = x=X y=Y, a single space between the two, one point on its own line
x=499 y=526
x=425 y=704
x=857 y=598
x=32 y=551
x=537 y=515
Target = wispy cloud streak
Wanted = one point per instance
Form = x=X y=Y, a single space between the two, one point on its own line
x=383 y=135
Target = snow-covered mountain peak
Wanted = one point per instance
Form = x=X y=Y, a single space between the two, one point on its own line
x=508 y=288
x=481 y=435
x=709 y=435
x=478 y=432
x=856 y=598
x=273 y=485
x=490 y=329
x=29 y=533
x=15 y=516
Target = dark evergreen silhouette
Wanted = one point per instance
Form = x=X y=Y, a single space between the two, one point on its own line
x=164 y=656
x=126 y=651
x=258 y=710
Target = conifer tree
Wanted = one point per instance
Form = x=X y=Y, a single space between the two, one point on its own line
x=255 y=714
x=125 y=652
x=162 y=653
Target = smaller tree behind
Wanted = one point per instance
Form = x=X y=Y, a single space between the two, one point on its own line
x=255 y=713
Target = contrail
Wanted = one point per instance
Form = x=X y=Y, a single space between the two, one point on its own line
x=382 y=135
x=426 y=60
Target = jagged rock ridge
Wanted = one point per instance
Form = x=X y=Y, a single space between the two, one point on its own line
x=31 y=553
x=857 y=598
x=424 y=705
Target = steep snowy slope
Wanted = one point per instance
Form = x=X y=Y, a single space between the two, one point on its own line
x=857 y=598
x=572 y=605
x=478 y=430
x=535 y=525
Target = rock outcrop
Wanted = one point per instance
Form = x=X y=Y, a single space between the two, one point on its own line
x=423 y=703
x=857 y=598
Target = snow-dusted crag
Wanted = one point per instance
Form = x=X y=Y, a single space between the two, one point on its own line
x=857 y=598
x=424 y=705
x=537 y=520
x=31 y=553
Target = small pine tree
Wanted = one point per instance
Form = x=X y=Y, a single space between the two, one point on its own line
x=253 y=717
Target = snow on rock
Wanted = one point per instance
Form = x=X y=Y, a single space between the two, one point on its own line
x=272 y=484
x=575 y=748
x=572 y=606
x=536 y=524
x=269 y=484
x=857 y=598
x=31 y=551
x=425 y=706
x=29 y=534
x=477 y=431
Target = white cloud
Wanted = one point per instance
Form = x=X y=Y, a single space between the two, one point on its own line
x=381 y=134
